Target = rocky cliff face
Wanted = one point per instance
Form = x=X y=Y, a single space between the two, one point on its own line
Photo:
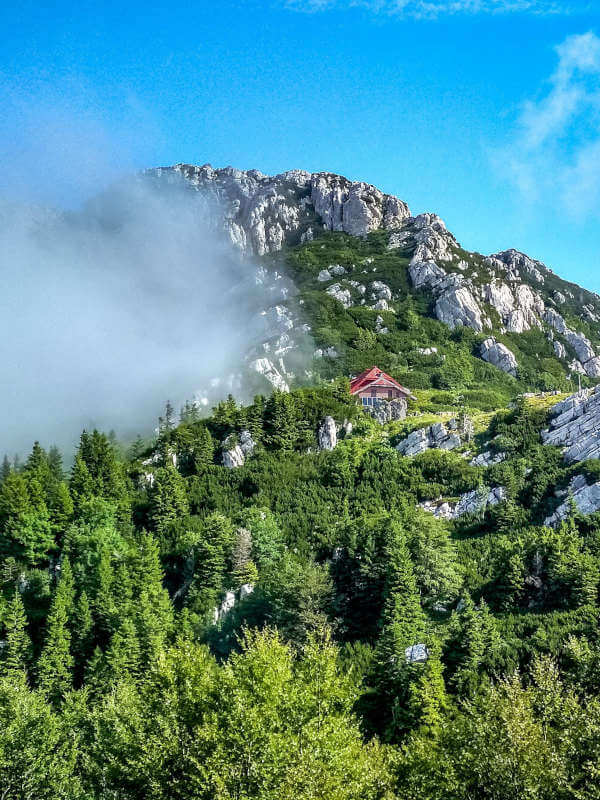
x=262 y=213
x=505 y=293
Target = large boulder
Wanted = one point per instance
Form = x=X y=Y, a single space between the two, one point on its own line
x=437 y=436
x=457 y=306
x=388 y=410
x=343 y=296
x=499 y=355
x=233 y=457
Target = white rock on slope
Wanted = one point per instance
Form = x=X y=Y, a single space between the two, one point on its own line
x=586 y=355
x=388 y=410
x=500 y=296
x=487 y=458
x=268 y=370
x=234 y=457
x=586 y=499
x=499 y=355
x=458 y=306
x=477 y=501
x=435 y=436
x=575 y=426
x=559 y=349
x=327 y=434
x=343 y=296
x=519 y=262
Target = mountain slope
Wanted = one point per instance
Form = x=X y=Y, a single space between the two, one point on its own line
x=529 y=323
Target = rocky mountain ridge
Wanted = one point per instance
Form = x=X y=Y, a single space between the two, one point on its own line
x=504 y=293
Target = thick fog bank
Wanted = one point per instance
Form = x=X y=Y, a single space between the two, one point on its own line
x=108 y=312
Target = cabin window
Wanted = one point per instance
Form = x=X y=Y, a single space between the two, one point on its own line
x=373 y=392
x=390 y=394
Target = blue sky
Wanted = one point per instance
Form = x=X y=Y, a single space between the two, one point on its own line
x=484 y=111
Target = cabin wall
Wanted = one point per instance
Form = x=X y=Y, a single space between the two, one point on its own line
x=380 y=393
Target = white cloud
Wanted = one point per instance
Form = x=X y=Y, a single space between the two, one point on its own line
x=553 y=154
x=431 y=9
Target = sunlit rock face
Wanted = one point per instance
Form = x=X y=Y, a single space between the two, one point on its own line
x=499 y=355
x=575 y=426
x=261 y=213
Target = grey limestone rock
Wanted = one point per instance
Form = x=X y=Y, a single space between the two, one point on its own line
x=585 y=497
x=436 y=436
x=487 y=458
x=473 y=502
x=499 y=355
x=388 y=410
x=260 y=213
x=327 y=434
x=575 y=426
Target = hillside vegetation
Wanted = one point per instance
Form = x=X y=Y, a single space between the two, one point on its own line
x=307 y=624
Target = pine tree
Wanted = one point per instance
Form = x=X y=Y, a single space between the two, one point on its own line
x=104 y=607
x=55 y=664
x=16 y=650
x=82 y=632
x=281 y=421
x=153 y=609
x=55 y=462
x=81 y=484
x=60 y=505
x=428 y=701
x=204 y=449
x=168 y=501
x=254 y=418
x=403 y=625
x=103 y=475
x=6 y=468
x=124 y=657
x=243 y=568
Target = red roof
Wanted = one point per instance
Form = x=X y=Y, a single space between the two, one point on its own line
x=374 y=377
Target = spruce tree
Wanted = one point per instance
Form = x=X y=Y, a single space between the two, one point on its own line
x=204 y=449
x=6 y=468
x=123 y=658
x=403 y=625
x=168 y=501
x=82 y=632
x=243 y=568
x=81 y=484
x=55 y=665
x=55 y=462
x=281 y=421
x=15 y=654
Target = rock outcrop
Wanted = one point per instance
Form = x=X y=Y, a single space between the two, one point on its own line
x=575 y=426
x=437 y=436
x=499 y=355
x=388 y=410
x=235 y=453
x=585 y=497
x=487 y=459
x=509 y=290
x=261 y=213
x=586 y=355
x=268 y=370
x=475 y=502
x=327 y=434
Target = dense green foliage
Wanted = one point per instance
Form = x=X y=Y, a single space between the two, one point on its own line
x=174 y=629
